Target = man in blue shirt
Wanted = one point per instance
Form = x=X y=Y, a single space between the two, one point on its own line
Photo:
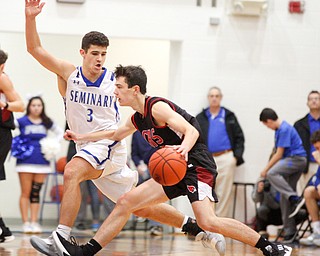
x=225 y=140
x=305 y=127
x=284 y=167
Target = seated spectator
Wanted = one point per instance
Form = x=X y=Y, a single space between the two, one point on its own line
x=268 y=210
x=285 y=167
x=305 y=127
x=312 y=197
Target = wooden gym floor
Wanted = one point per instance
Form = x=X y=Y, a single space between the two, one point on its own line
x=140 y=243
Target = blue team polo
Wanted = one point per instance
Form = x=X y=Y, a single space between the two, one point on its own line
x=218 y=139
x=288 y=138
x=314 y=125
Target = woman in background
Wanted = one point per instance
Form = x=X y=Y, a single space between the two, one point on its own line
x=32 y=165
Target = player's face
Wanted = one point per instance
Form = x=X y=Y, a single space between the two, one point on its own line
x=214 y=98
x=36 y=107
x=94 y=58
x=124 y=94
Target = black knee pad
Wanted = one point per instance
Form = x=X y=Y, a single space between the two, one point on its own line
x=35 y=192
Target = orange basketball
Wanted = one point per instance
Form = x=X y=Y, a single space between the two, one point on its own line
x=167 y=167
x=61 y=163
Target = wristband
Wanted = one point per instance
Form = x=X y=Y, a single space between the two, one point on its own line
x=7 y=105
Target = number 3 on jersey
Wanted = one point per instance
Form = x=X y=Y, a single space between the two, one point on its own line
x=89 y=115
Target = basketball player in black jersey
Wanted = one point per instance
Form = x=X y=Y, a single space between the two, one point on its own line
x=161 y=123
x=10 y=101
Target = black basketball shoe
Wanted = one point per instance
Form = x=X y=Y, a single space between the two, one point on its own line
x=5 y=235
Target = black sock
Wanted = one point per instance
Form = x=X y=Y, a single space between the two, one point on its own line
x=191 y=227
x=262 y=243
x=2 y=223
x=92 y=247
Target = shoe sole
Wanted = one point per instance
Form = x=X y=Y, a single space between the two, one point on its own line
x=39 y=249
x=294 y=213
x=8 y=239
x=59 y=245
x=219 y=245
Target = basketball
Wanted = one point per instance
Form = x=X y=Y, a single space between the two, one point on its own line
x=167 y=167
x=61 y=163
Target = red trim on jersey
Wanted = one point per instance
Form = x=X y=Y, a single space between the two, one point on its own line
x=133 y=122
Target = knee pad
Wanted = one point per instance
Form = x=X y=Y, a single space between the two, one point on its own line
x=35 y=192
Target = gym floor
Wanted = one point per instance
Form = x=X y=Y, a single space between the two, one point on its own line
x=140 y=243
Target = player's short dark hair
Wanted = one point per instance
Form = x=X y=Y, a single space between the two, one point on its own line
x=268 y=113
x=134 y=75
x=315 y=137
x=94 y=38
x=3 y=57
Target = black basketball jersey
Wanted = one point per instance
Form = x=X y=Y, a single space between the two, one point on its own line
x=158 y=136
x=6 y=116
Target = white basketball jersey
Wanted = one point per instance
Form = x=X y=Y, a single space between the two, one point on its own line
x=91 y=106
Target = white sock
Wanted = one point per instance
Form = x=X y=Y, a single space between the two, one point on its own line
x=316 y=226
x=64 y=231
x=185 y=220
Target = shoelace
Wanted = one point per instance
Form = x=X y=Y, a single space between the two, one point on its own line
x=73 y=241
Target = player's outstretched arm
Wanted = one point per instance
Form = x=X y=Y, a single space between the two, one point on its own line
x=115 y=135
x=32 y=9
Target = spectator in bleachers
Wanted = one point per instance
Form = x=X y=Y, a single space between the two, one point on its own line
x=305 y=127
x=268 y=207
x=312 y=196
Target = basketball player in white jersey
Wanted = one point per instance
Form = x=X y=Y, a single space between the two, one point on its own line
x=10 y=101
x=90 y=106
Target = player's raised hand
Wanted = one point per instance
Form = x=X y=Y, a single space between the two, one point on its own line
x=33 y=7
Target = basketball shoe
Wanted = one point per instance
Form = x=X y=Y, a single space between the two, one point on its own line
x=276 y=250
x=71 y=248
x=44 y=245
x=191 y=229
x=212 y=240
x=5 y=235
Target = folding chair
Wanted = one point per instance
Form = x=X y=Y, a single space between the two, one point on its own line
x=302 y=220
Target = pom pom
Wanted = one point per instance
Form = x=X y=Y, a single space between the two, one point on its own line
x=50 y=147
x=21 y=148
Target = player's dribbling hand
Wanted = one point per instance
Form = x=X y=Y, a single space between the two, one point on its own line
x=180 y=149
x=33 y=7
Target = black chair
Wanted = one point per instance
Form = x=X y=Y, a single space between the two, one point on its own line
x=302 y=220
